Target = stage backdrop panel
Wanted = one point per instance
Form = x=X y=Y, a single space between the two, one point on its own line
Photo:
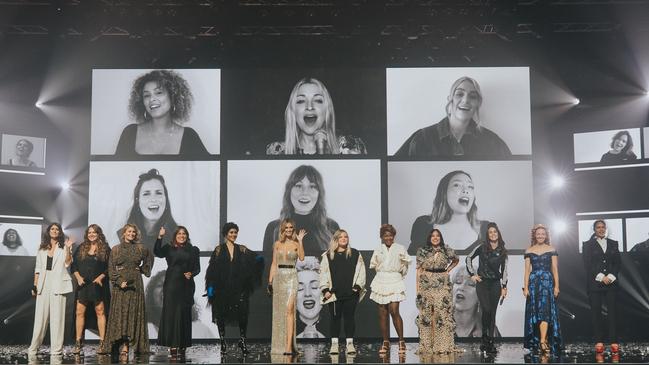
x=590 y=146
x=502 y=193
x=637 y=232
x=254 y=106
x=352 y=191
x=193 y=194
x=510 y=316
x=417 y=98
x=29 y=236
x=111 y=90
x=10 y=147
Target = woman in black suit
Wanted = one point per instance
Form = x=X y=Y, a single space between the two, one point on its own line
x=602 y=263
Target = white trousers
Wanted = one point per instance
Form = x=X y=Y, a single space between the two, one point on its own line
x=50 y=308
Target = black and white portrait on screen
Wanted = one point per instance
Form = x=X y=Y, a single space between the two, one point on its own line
x=156 y=193
x=468 y=113
x=304 y=111
x=613 y=230
x=19 y=239
x=23 y=151
x=466 y=306
x=318 y=194
x=609 y=147
x=459 y=198
x=637 y=234
x=139 y=112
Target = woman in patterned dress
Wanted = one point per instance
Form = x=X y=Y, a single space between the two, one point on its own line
x=434 y=298
x=127 y=319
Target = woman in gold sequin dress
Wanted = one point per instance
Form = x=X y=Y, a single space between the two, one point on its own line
x=282 y=284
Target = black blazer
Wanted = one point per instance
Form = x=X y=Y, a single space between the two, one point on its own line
x=596 y=261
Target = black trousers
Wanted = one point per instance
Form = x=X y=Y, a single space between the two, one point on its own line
x=488 y=291
x=597 y=299
x=340 y=309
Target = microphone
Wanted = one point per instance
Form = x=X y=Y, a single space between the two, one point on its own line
x=320 y=140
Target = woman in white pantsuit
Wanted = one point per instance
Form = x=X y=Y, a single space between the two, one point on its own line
x=52 y=282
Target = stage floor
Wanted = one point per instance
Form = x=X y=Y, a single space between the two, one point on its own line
x=508 y=352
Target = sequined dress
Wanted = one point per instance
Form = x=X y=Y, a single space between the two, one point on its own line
x=541 y=305
x=435 y=301
x=284 y=294
x=127 y=317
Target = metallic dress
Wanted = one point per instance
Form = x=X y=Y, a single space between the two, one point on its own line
x=284 y=295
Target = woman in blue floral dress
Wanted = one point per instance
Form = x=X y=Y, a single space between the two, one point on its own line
x=541 y=288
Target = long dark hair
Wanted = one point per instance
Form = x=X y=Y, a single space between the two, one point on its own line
x=627 y=150
x=319 y=212
x=501 y=242
x=178 y=229
x=442 y=212
x=136 y=217
x=441 y=238
x=46 y=239
x=102 y=245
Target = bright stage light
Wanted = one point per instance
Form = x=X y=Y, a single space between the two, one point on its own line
x=38 y=104
x=559 y=226
x=557 y=182
x=576 y=101
x=65 y=186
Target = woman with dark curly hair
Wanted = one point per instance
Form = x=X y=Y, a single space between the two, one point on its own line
x=621 y=148
x=90 y=269
x=160 y=103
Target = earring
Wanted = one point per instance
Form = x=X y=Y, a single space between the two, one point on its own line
x=145 y=115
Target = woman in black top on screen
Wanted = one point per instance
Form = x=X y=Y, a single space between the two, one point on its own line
x=160 y=103
x=304 y=203
x=491 y=281
x=460 y=132
x=621 y=149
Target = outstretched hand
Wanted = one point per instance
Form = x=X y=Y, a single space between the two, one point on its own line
x=301 y=234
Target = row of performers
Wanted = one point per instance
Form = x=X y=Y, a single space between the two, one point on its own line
x=230 y=279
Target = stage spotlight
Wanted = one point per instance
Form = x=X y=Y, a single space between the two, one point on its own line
x=65 y=186
x=576 y=101
x=557 y=181
x=559 y=226
x=38 y=104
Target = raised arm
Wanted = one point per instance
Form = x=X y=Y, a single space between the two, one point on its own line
x=300 y=245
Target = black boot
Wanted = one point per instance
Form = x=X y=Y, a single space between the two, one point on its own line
x=484 y=344
x=243 y=346
x=492 y=346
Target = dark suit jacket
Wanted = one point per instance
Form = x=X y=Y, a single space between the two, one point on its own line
x=597 y=261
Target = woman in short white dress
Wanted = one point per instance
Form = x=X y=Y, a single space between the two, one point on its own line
x=390 y=261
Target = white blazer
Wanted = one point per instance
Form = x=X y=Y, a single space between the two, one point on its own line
x=63 y=281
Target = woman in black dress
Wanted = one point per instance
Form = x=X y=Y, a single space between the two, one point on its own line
x=233 y=273
x=178 y=290
x=90 y=270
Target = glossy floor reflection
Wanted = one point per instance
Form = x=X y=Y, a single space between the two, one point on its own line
x=508 y=352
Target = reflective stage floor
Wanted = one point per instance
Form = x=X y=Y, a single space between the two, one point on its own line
x=318 y=352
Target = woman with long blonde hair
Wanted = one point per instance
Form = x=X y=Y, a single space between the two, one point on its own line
x=342 y=284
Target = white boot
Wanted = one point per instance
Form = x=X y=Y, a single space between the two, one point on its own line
x=334 y=346
x=350 y=346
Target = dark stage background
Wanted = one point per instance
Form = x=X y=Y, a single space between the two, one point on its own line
x=587 y=68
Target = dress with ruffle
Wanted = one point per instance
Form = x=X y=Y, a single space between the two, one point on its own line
x=391 y=265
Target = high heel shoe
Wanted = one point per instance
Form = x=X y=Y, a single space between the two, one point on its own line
x=402 y=346
x=78 y=348
x=599 y=347
x=545 y=349
x=242 y=346
x=385 y=347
